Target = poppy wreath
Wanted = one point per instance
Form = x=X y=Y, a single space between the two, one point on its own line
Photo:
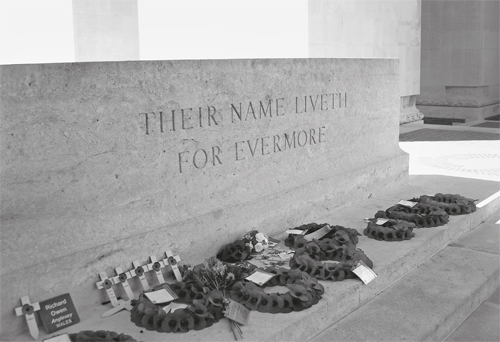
x=100 y=335
x=234 y=252
x=339 y=232
x=309 y=255
x=452 y=204
x=431 y=216
x=303 y=292
x=392 y=230
x=204 y=309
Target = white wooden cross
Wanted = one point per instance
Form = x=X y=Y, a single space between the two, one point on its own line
x=139 y=271
x=28 y=310
x=122 y=278
x=107 y=284
x=172 y=261
x=156 y=266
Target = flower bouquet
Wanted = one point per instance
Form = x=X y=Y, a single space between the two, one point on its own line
x=256 y=241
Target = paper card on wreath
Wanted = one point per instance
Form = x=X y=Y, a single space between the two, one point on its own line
x=364 y=272
x=237 y=312
x=294 y=231
x=59 y=338
x=161 y=296
x=381 y=221
x=58 y=313
x=408 y=204
x=318 y=234
x=260 y=277
x=174 y=306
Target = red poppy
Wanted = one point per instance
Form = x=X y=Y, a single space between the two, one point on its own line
x=216 y=298
x=254 y=301
x=158 y=319
x=300 y=292
x=389 y=234
x=185 y=321
x=266 y=303
x=199 y=308
x=287 y=303
x=170 y=322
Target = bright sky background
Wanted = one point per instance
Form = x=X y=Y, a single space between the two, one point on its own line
x=41 y=31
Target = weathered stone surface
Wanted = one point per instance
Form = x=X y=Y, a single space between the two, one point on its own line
x=92 y=179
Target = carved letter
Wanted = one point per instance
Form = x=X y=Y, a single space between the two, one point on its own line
x=172 y=121
x=313 y=104
x=233 y=111
x=237 y=150
x=216 y=155
x=297 y=106
x=262 y=110
x=305 y=140
x=204 y=163
x=289 y=142
x=250 y=146
x=264 y=145
x=312 y=132
x=211 y=116
x=324 y=102
x=321 y=134
x=184 y=120
x=250 y=108
x=180 y=160
x=278 y=106
x=147 y=122
x=276 y=142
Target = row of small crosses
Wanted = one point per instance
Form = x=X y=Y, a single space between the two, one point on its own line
x=138 y=271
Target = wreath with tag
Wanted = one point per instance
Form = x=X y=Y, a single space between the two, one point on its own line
x=303 y=292
x=337 y=247
x=424 y=212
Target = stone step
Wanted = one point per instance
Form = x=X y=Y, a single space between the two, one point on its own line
x=392 y=262
x=430 y=302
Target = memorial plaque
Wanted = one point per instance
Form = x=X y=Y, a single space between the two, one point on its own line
x=107 y=159
x=58 y=313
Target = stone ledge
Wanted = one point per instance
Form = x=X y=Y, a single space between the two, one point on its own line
x=426 y=305
x=341 y=298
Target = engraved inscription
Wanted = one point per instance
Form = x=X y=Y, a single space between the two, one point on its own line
x=199 y=158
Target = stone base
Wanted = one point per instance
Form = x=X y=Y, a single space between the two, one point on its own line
x=458 y=114
x=392 y=261
x=409 y=112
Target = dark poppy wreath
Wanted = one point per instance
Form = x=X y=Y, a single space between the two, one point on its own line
x=429 y=211
x=338 y=245
x=205 y=309
x=304 y=292
x=100 y=335
x=392 y=230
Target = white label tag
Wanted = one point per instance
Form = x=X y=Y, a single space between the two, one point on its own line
x=381 y=221
x=59 y=338
x=174 y=306
x=294 y=231
x=160 y=296
x=318 y=234
x=260 y=277
x=408 y=204
x=237 y=312
x=364 y=272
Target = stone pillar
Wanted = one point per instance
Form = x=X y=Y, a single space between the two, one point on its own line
x=371 y=29
x=106 y=30
x=460 y=61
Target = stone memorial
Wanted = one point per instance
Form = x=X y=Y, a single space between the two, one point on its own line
x=107 y=163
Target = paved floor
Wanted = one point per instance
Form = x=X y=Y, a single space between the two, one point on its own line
x=469 y=151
